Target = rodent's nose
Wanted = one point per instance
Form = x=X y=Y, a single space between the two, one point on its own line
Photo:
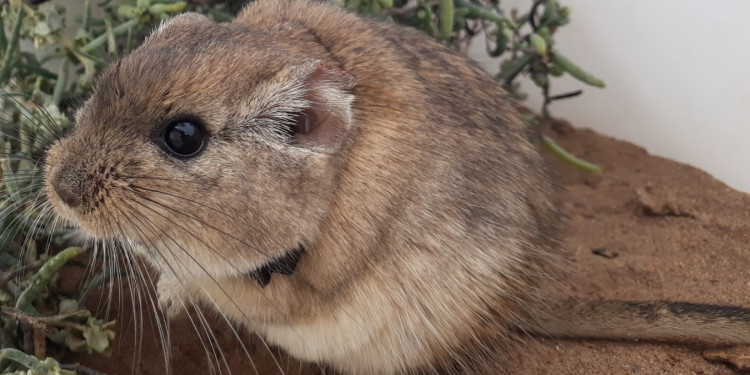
x=64 y=188
x=67 y=196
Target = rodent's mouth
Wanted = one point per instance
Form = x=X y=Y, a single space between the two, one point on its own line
x=284 y=265
x=73 y=219
x=67 y=214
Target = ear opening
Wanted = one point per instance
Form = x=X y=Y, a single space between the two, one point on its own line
x=322 y=126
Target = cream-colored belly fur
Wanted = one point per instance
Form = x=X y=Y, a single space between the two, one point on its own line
x=358 y=337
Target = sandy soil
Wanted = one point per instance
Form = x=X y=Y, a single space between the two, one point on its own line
x=666 y=231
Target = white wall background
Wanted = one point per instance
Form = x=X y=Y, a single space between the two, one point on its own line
x=677 y=74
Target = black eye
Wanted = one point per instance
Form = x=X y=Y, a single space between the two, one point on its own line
x=184 y=138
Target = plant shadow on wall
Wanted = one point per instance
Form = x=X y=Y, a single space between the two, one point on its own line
x=46 y=72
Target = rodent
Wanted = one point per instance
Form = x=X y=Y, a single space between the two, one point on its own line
x=356 y=193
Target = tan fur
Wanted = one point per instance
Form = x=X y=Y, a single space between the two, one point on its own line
x=426 y=221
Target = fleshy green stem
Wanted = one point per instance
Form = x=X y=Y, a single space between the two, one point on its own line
x=10 y=48
x=87 y=16
x=18 y=356
x=446 y=18
x=3 y=37
x=62 y=80
x=47 y=366
x=479 y=12
x=101 y=39
x=569 y=158
x=40 y=280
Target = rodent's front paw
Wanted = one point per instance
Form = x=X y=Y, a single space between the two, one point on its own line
x=170 y=293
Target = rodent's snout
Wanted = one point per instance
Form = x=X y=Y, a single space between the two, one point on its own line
x=72 y=176
x=67 y=187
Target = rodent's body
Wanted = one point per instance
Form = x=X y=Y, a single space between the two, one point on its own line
x=439 y=214
x=423 y=230
x=421 y=200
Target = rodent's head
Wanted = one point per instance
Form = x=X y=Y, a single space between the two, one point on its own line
x=212 y=147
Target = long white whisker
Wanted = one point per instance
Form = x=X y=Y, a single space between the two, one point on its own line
x=174 y=272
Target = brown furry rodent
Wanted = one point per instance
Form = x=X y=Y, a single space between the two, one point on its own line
x=388 y=179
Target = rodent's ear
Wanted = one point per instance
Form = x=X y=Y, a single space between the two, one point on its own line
x=323 y=125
